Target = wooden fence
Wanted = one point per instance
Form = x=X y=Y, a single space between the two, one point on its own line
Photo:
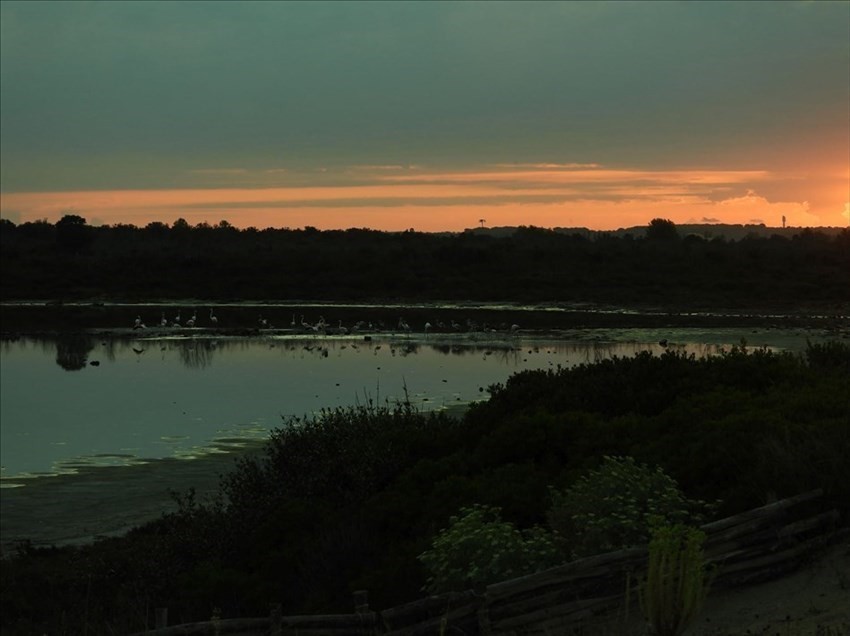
x=755 y=545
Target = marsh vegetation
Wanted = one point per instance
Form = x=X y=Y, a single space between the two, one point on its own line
x=349 y=499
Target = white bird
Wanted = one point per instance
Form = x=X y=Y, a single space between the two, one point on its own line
x=213 y=318
x=427 y=327
x=292 y=324
x=138 y=324
x=263 y=322
x=177 y=320
x=163 y=321
x=514 y=327
x=191 y=321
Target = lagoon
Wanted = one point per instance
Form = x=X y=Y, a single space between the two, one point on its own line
x=93 y=423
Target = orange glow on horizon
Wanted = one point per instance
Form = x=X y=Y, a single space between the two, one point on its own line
x=396 y=198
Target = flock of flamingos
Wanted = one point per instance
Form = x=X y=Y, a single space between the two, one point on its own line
x=322 y=327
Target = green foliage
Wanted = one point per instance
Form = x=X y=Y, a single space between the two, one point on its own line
x=341 y=455
x=677 y=579
x=348 y=500
x=479 y=548
x=830 y=355
x=616 y=505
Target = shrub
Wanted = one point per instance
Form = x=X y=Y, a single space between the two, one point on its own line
x=614 y=507
x=479 y=548
x=677 y=580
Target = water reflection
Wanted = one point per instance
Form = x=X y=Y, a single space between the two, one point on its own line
x=72 y=351
x=196 y=354
x=157 y=397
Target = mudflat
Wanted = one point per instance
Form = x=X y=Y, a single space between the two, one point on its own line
x=105 y=500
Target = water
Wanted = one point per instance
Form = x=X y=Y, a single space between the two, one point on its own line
x=183 y=397
x=91 y=449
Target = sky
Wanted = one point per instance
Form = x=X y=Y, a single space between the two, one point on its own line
x=435 y=116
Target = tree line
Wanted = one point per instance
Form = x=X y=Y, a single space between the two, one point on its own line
x=71 y=260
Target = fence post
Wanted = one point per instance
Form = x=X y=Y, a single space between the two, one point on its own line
x=484 y=627
x=161 y=617
x=361 y=602
x=276 y=620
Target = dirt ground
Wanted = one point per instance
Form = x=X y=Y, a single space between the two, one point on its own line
x=813 y=600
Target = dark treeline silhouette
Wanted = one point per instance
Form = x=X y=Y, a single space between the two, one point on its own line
x=660 y=267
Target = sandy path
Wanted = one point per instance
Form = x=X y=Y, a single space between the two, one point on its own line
x=817 y=594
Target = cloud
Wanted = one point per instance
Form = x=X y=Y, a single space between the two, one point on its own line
x=598 y=198
x=219 y=172
x=797 y=214
x=200 y=83
x=371 y=167
x=547 y=166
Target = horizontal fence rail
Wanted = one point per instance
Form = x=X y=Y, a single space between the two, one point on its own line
x=755 y=545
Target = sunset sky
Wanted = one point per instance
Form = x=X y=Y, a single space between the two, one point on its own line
x=426 y=115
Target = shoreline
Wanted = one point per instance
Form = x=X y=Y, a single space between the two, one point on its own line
x=101 y=501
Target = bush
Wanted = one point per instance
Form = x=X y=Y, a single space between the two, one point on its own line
x=677 y=580
x=479 y=548
x=616 y=505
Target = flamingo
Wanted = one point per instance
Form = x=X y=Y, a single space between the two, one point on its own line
x=177 y=320
x=138 y=324
x=263 y=322
x=213 y=319
x=191 y=322
x=292 y=324
x=163 y=321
